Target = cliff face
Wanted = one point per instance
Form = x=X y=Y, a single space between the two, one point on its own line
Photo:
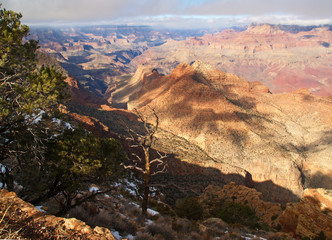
x=268 y=212
x=82 y=98
x=282 y=140
x=26 y=221
x=311 y=216
x=282 y=60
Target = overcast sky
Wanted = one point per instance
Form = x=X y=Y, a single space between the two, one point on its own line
x=173 y=13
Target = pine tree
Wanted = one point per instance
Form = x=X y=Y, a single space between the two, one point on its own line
x=29 y=97
x=38 y=148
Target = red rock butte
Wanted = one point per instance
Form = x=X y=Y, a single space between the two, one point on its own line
x=282 y=60
x=282 y=140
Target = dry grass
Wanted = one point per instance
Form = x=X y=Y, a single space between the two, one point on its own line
x=162 y=230
x=144 y=236
x=16 y=224
x=101 y=219
x=6 y=231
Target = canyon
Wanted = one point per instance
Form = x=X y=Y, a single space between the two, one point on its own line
x=284 y=58
x=279 y=140
x=278 y=143
x=251 y=106
x=281 y=58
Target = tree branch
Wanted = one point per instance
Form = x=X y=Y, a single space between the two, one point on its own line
x=163 y=170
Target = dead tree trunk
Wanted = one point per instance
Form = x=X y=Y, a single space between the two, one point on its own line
x=145 y=141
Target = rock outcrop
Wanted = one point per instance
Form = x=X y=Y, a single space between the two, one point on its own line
x=31 y=223
x=266 y=211
x=82 y=98
x=311 y=217
x=282 y=60
x=282 y=140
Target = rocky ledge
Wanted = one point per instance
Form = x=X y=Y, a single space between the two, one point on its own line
x=21 y=220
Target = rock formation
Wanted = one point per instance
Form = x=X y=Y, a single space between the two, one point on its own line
x=282 y=140
x=32 y=223
x=96 y=54
x=266 y=211
x=310 y=217
x=282 y=60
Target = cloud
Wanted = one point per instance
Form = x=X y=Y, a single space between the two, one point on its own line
x=69 y=10
x=310 y=8
x=175 y=13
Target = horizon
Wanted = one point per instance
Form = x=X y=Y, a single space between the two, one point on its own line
x=173 y=14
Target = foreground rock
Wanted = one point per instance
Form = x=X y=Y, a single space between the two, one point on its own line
x=266 y=211
x=27 y=222
x=311 y=217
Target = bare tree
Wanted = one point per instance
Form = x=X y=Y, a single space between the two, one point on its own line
x=144 y=165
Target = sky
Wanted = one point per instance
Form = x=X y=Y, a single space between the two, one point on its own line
x=173 y=13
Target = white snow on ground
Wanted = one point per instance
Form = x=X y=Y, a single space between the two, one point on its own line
x=152 y=212
x=59 y=121
x=132 y=192
x=130 y=187
x=127 y=186
x=148 y=221
x=68 y=125
x=38 y=117
x=40 y=208
x=117 y=235
x=93 y=189
x=135 y=204
x=56 y=120
x=2 y=170
x=251 y=236
x=129 y=237
x=149 y=210
x=131 y=184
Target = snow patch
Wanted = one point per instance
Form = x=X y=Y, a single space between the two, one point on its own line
x=148 y=221
x=130 y=184
x=37 y=117
x=3 y=171
x=40 y=208
x=68 y=125
x=135 y=204
x=251 y=236
x=93 y=189
x=116 y=234
x=59 y=122
x=152 y=212
x=129 y=237
x=2 y=168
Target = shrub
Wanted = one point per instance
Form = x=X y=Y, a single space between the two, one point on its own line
x=144 y=236
x=237 y=213
x=320 y=236
x=161 y=229
x=122 y=224
x=182 y=225
x=102 y=219
x=164 y=209
x=189 y=207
